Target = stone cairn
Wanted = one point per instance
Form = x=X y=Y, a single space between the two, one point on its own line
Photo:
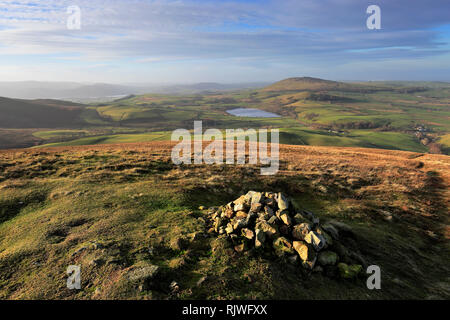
x=269 y=222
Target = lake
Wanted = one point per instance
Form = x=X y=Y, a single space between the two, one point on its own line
x=252 y=113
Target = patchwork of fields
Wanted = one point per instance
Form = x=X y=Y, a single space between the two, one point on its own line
x=411 y=116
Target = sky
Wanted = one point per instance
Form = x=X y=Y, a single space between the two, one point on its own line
x=190 y=41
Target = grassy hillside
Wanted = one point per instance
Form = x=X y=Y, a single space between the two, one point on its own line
x=445 y=141
x=15 y=113
x=310 y=84
x=120 y=208
x=117 y=138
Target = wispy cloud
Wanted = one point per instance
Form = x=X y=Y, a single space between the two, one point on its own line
x=306 y=34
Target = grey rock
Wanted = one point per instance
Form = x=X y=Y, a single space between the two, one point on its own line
x=268 y=194
x=239 y=207
x=328 y=238
x=315 y=222
x=267 y=228
x=272 y=219
x=250 y=218
x=304 y=250
x=241 y=204
x=263 y=216
x=247 y=233
x=316 y=240
x=271 y=203
x=248 y=196
x=211 y=210
x=283 y=246
x=286 y=218
x=260 y=238
x=201 y=280
x=283 y=202
x=301 y=230
x=143 y=273
x=256 y=207
x=174 y=287
x=239 y=224
x=229 y=228
x=219 y=222
x=268 y=211
x=257 y=197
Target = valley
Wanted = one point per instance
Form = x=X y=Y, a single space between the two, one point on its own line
x=410 y=116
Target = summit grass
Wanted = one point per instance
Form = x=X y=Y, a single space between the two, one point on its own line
x=111 y=208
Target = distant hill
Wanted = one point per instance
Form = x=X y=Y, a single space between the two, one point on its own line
x=97 y=92
x=35 y=89
x=306 y=84
x=63 y=90
x=17 y=113
x=205 y=87
x=426 y=84
x=101 y=92
x=315 y=85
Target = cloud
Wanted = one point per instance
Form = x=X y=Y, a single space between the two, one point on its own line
x=328 y=32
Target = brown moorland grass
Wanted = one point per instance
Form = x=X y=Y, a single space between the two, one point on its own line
x=110 y=208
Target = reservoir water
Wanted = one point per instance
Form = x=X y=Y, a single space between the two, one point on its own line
x=252 y=113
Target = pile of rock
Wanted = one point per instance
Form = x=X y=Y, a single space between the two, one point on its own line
x=269 y=222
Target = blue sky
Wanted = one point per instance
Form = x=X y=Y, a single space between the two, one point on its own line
x=187 y=41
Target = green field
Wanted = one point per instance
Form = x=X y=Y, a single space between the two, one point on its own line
x=299 y=136
x=59 y=134
x=445 y=141
x=117 y=138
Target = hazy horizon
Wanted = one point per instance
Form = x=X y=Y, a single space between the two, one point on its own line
x=157 y=84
